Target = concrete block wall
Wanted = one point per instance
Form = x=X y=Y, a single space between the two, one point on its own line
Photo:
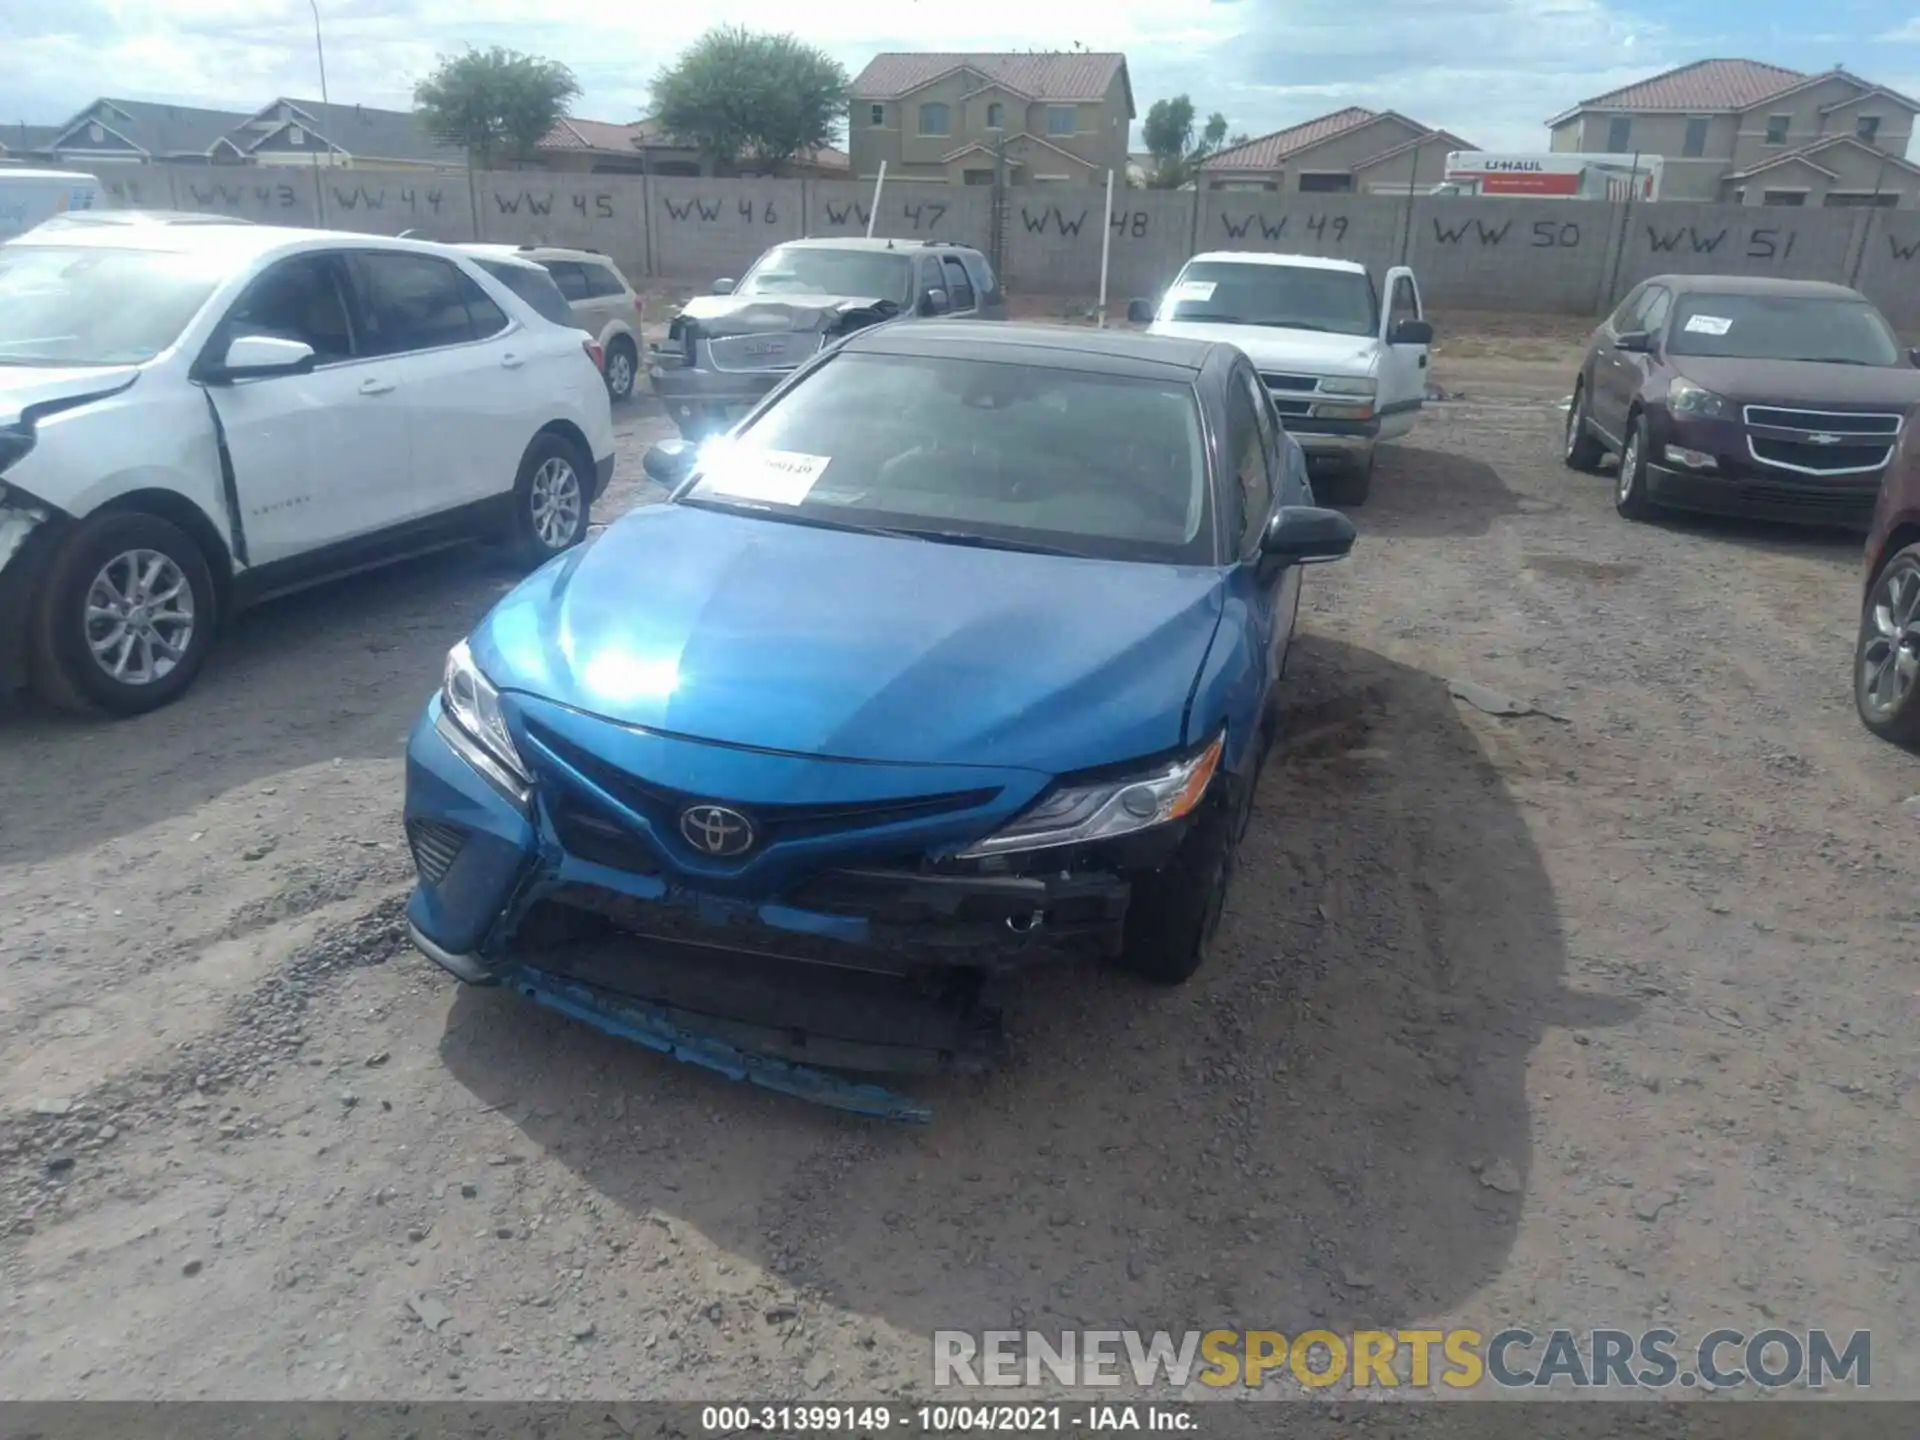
x=1569 y=257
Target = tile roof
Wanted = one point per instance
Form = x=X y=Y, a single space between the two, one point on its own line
x=160 y=129
x=1805 y=153
x=1270 y=151
x=1453 y=141
x=1072 y=75
x=1703 y=85
x=576 y=134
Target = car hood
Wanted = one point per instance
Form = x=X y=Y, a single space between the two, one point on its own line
x=720 y=315
x=1312 y=352
x=754 y=632
x=1802 y=382
x=38 y=388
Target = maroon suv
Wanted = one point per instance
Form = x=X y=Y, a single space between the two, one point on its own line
x=1774 y=398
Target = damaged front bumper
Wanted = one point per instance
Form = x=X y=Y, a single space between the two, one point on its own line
x=879 y=968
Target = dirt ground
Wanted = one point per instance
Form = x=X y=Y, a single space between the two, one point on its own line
x=1602 y=1015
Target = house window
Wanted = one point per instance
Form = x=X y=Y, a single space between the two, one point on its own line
x=1060 y=119
x=996 y=116
x=96 y=133
x=1783 y=197
x=1861 y=200
x=1866 y=128
x=934 y=120
x=1327 y=182
x=1777 y=129
x=1695 y=144
x=296 y=136
x=877 y=115
x=1619 y=134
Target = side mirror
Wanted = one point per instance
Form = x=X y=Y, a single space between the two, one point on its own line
x=723 y=287
x=1634 y=342
x=669 y=462
x=1139 y=312
x=934 y=302
x=1307 y=535
x=257 y=356
x=1914 y=356
x=1410 y=332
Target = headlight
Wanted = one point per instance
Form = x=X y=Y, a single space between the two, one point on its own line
x=470 y=701
x=1348 y=385
x=1686 y=398
x=1075 y=814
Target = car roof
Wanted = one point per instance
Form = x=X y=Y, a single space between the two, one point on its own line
x=235 y=244
x=142 y=217
x=1752 y=285
x=1114 y=352
x=530 y=253
x=873 y=242
x=1262 y=257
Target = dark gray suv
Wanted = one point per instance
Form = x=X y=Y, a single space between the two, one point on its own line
x=727 y=350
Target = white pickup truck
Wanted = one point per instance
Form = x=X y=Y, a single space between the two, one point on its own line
x=1345 y=371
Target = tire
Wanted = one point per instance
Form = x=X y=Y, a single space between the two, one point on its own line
x=1175 y=912
x=1351 y=483
x=1583 y=448
x=1886 y=654
x=1630 y=493
x=155 y=607
x=552 y=499
x=623 y=366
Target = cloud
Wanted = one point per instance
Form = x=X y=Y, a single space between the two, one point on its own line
x=1907 y=34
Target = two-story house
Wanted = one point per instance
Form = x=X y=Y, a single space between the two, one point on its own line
x=1748 y=133
x=1355 y=151
x=949 y=118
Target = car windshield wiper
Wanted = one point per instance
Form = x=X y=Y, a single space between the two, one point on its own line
x=789 y=515
x=982 y=542
x=1290 y=325
x=1211 y=317
x=1826 y=360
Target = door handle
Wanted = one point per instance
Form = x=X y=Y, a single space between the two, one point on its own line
x=375 y=387
x=511 y=362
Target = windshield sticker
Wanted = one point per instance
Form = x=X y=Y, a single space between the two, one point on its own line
x=777 y=477
x=1709 y=324
x=1201 y=290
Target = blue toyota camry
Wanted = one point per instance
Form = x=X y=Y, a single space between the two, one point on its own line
x=957 y=655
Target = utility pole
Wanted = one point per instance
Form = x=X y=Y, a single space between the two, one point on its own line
x=320 y=54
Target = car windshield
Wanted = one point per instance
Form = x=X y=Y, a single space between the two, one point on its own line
x=535 y=286
x=1782 y=327
x=981 y=452
x=1292 y=297
x=855 y=274
x=75 y=305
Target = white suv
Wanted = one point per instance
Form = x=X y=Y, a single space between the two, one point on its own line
x=603 y=303
x=195 y=417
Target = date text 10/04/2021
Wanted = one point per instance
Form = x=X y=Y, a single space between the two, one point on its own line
x=878 y=1419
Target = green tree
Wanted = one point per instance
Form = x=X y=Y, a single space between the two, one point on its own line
x=497 y=103
x=1177 y=152
x=743 y=97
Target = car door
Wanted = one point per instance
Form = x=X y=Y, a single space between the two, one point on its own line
x=929 y=280
x=1251 y=442
x=1285 y=471
x=320 y=458
x=571 y=277
x=961 y=298
x=1403 y=368
x=606 y=298
x=1607 y=406
x=462 y=362
x=1633 y=368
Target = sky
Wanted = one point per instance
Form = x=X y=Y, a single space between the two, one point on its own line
x=1491 y=71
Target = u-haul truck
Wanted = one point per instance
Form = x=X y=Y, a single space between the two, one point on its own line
x=1562 y=176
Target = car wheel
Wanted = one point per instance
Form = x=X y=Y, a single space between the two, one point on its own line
x=1174 y=914
x=127 y=616
x=551 y=504
x=1630 y=494
x=1886 y=657
x=1351 y=483
x=1583 y=450
x=623 y=363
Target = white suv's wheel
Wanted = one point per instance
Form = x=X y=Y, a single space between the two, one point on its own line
x=551 y=508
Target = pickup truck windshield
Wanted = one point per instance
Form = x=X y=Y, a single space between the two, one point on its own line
x=976 y=452
x=87 y=305
x=1782 y=327
x=1293 y=297
x=855 y=274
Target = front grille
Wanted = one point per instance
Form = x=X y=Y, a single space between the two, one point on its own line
x=1276 y=381
x=435 y=847
x=1841 y=459
x=1836 y=498
x=772 y=822
x=1832 y=422
x=601 y=840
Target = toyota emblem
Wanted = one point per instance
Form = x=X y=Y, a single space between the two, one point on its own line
x=717 y=831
